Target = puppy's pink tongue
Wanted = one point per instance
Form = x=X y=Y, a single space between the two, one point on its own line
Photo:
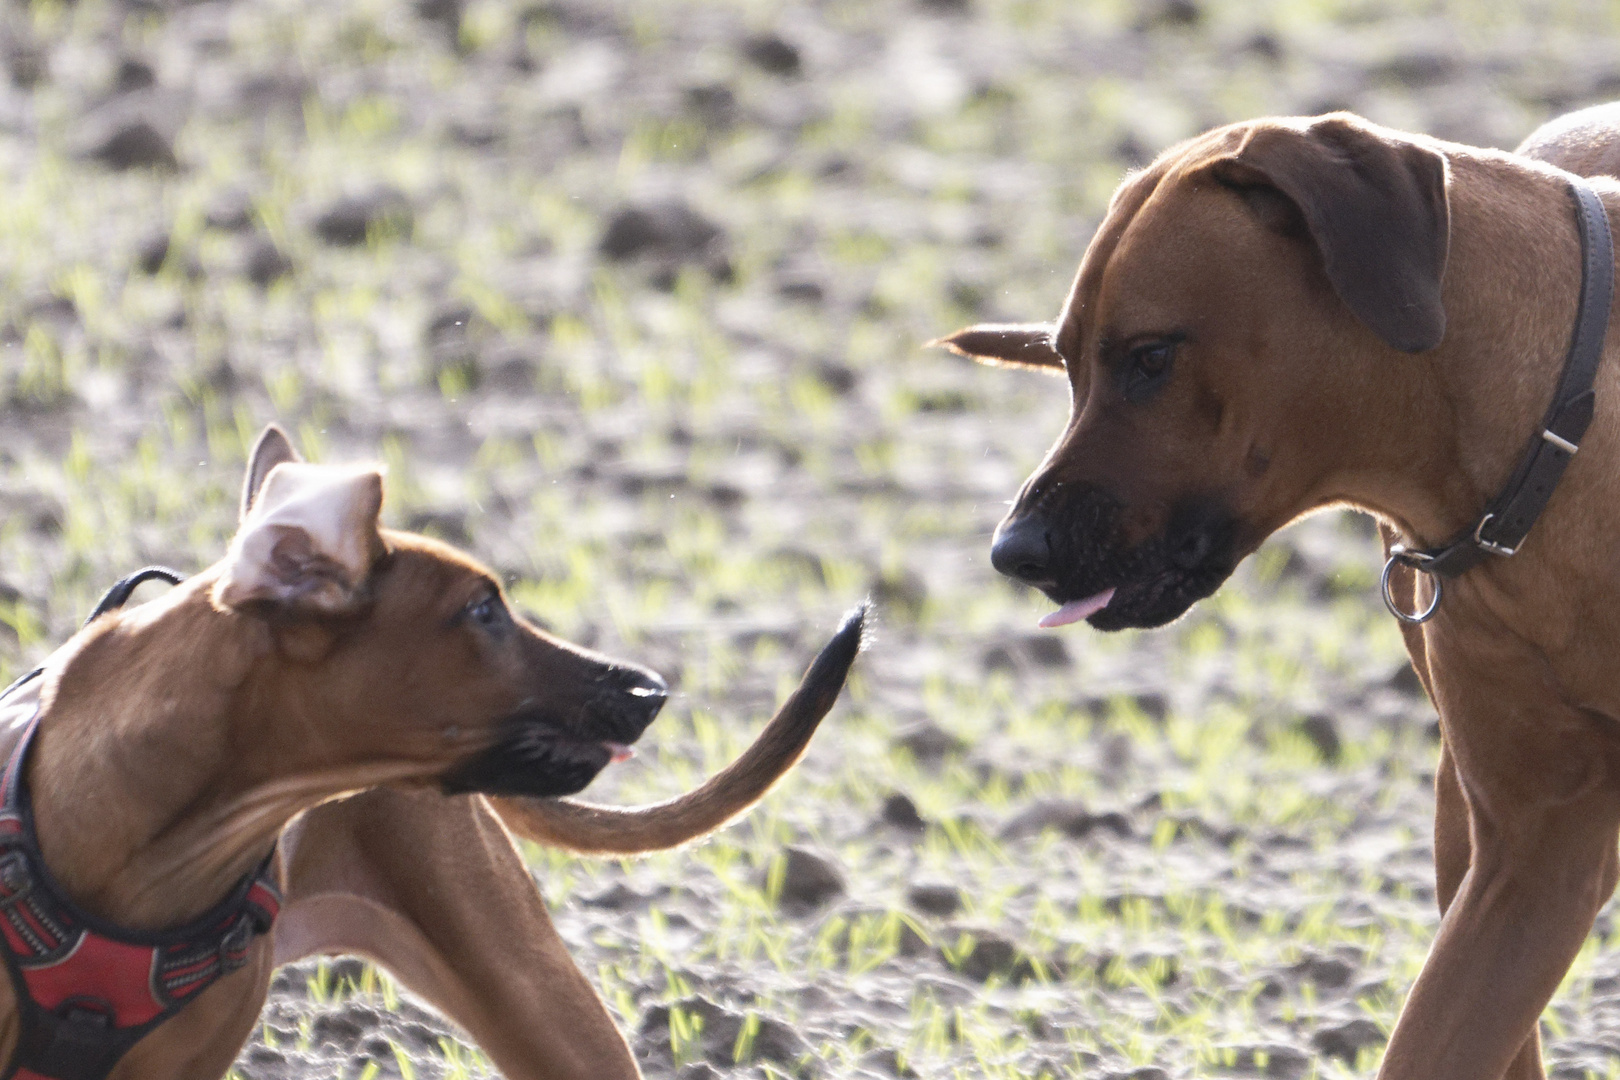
x=620 y=751
x=1075 y=610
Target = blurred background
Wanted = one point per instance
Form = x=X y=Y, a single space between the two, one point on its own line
x=631 y=299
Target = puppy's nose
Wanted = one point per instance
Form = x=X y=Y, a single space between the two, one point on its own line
x=644 y=690
x=1020 y=550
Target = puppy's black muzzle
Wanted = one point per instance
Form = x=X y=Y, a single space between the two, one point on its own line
x=550 y=749
x=627 y=698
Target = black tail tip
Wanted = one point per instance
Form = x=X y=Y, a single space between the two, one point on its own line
x=854 y=621
x=832 y=664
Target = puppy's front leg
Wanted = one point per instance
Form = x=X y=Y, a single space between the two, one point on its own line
x=1537 y=863
x=432 y=888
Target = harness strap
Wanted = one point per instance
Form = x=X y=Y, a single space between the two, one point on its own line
x=1510 y=516
x=119 y=594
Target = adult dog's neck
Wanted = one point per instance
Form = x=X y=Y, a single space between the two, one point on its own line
x=167 y=762
x=1511 y=288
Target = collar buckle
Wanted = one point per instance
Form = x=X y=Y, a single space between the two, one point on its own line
x=1487 y=545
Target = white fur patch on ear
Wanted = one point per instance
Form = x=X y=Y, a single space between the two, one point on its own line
x=309 y=540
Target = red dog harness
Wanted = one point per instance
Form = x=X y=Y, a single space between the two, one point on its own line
x=86 y=990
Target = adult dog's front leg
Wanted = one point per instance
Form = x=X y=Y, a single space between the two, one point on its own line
x=432 y=888
x=1540 y=862
x=1451 y=858
x=1452 y=846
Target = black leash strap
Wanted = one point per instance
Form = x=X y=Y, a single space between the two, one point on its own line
x=1509 y=517
x=119 y=594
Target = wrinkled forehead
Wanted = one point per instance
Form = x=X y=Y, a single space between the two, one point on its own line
x=422 y=571
x=1135 y=197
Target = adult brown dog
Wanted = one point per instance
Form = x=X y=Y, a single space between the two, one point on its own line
x=324 y=657
x=1291 y=314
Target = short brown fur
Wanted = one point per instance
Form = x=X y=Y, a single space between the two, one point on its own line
x=179 y=739
x=1289 y=395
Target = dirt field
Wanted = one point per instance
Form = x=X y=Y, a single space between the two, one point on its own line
x=630 y=298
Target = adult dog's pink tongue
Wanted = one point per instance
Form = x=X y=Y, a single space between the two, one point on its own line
x=1075 y=610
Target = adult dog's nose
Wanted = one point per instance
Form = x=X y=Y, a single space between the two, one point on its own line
x=1020 y=550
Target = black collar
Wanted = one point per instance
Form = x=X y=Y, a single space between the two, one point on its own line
x=1509 y=517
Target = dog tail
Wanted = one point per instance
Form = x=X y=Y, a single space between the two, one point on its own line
x=610 y=830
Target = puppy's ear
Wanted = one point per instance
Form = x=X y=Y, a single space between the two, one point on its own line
x=1374 y=203
x=1026 y=345
x=309 y=542
x=272 y=448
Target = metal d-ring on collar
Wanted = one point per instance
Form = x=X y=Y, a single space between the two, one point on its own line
x=1399 y=553
x=1507 y=520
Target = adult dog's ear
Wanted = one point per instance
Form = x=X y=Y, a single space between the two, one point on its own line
x=308 y=543
x=272 y=448
x=1375 y=205
x=1026 y=345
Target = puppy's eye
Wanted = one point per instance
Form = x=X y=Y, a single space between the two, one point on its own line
x=1147 y=367
x=488 y=612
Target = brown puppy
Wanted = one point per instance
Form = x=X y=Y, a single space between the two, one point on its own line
x=1291 y=314
x=343 y=677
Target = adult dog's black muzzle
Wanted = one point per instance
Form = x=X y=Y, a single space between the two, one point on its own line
x=1069 y=544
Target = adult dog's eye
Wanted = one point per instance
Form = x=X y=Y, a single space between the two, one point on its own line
x=1147 y=367
x=488 y=612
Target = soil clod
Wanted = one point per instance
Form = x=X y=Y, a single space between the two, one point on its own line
x=929 y=743
x=1322 y=731
x=1068 y=817
x=901 y=813
x=129 y=142
x=264 y=262
x=350 y=220
x=668 y=234
x=934 y=898
x=772 y=53
x=809 y=879
x=1346 y=1041
x=152 y=252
